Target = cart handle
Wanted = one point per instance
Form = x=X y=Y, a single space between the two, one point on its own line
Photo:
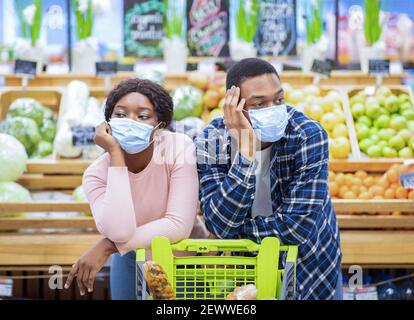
x=213 y=245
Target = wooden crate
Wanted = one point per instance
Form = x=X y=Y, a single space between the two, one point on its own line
x=351 y=91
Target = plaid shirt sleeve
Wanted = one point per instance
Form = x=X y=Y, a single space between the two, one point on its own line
x=295 y=220
x=227 y=195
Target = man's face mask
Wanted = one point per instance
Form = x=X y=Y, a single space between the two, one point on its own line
x=269 y=123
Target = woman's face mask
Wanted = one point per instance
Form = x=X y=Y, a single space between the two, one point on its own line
x=133 y=136
x=269 y=123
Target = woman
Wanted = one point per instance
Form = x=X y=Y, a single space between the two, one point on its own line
x=145 y=185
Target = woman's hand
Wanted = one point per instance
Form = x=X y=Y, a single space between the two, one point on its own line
x=86 y=268
x=104 y=138
x=238 y=125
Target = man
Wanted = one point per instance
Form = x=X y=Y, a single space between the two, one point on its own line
x=264 y=172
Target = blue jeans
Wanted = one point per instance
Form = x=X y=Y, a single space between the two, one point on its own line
x=123 y=276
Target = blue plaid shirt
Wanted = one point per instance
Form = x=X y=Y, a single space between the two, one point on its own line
x=302 y=209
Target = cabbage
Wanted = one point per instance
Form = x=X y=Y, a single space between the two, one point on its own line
x=48 y=130
x=48 y=113
x=44 y=148
x=13 y=192
x=28 y=108
x=13 y=158
x=79 y=195
x=23 y=129
x=188 y=102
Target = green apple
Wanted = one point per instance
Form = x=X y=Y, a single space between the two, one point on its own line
x=408 y=114
x=340 y=130
x=365 y=120
x=365 y=144
x=403 y=97
x=386 y=134
x=411 y=144
x=357 y=110
x=391 y=103
x=373 y=130
x=406 y=153
x=357 y=99
x=362 y=131
x=389 y=152
x=398 y=123
x=340 y=115
x=316 y=112
x=374 y=152
x=406 y=106
x=384 y=111
x=410 y=125
x=383 y=91
x=329 y=121
x=373 y=109
x=383 y=121
x=405 y=134
x=375 y=138
x=397 y=142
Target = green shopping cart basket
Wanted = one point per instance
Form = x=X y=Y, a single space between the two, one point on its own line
x=213 y=277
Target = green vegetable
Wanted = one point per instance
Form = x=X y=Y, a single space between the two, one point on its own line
x=47 y=113
x=173 y=18
x=314 y=22
x=372 y=25
x=13 y=192
x=48 y=130
x=23 y=129
x=247 y=20
x=29 y=108
x=43 y=149
x=13 y=158
x=188 y=102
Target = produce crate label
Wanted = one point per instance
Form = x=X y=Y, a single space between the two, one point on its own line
x=83 y=137
x=322 y=67
x=208 y=27
x=25 y=67
x=6 y=287
x=106 y=68
x=407 y=180
x=276 y=34
x=379 y=67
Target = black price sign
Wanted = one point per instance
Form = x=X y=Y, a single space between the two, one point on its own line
x=82 y=137
x=379 y=66
x=322 y=67
x=25 y=67
x=106 y=68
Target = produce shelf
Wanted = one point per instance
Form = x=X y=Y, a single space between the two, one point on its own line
x=68 y=166
x=372 y=206
x=375 y=222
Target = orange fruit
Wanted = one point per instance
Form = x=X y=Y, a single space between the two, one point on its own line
x=349 y=180
x=363 y=189
x=389 y=194
x=369 y=181
x=333 y=188
x=383 y=182
x=361 y=174
x=357 y=182
x=331 y=176
x=365 y=196
x=378 y=198
x=340 y=179
x=342 y=191
x=349 y=195
x=394 y=186
x=392 y=175
x=377 y=191
x=355 y=190
x=410 y=194
x=401 y=193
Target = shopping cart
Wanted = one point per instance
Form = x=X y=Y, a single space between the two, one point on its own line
x=203 y=276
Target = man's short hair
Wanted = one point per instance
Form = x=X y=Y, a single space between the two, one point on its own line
x=248 y=68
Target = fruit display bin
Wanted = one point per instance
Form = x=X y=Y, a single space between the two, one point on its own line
x=391 y=155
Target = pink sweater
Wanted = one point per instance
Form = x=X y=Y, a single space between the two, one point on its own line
x=131 y=209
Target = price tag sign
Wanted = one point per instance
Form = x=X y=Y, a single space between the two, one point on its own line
x=83 y=137
x=25 y=67
x=379 y=67
x=322 y=67
x=407 y=180
x=6 y=287
x=106 y=68
x=366 y=293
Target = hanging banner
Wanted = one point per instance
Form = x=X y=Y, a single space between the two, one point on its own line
x=276 y=34
x=143 y=27
x=208 y=27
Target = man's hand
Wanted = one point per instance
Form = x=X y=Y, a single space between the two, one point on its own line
x=86 y=268
x=238 y=125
